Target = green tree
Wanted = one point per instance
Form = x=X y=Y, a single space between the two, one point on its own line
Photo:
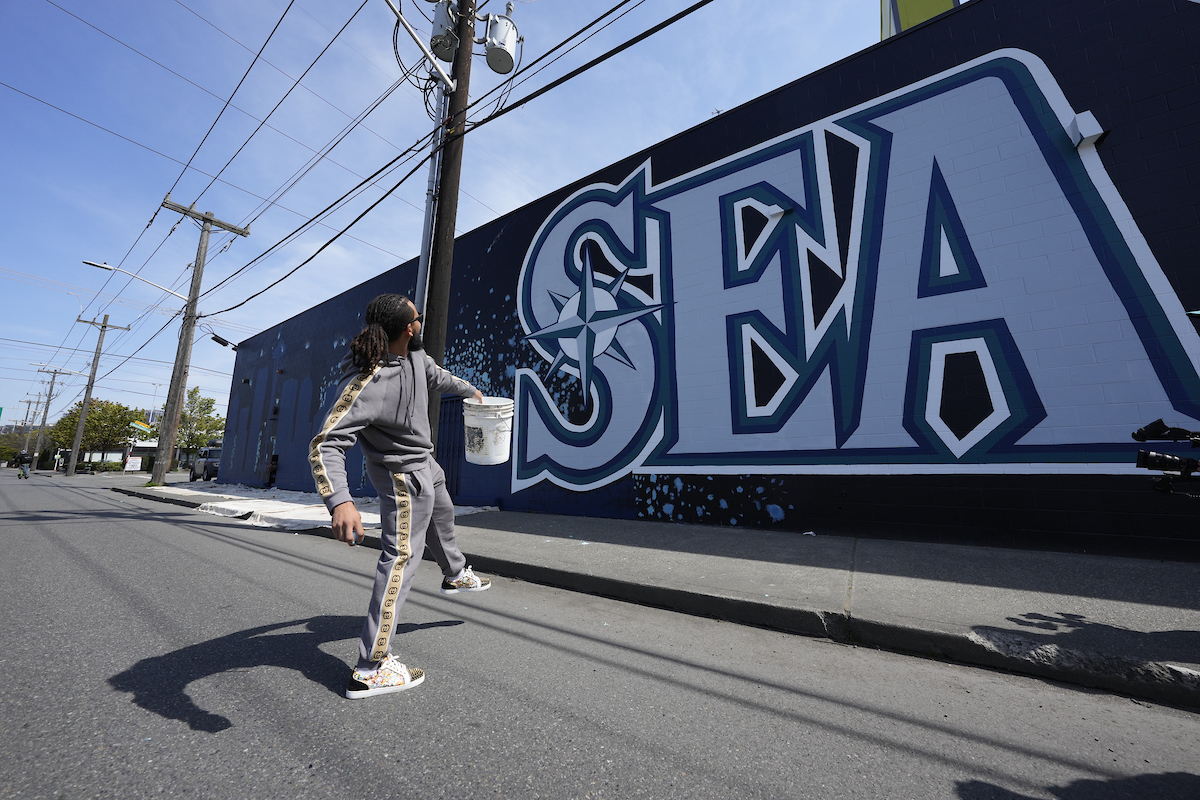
x=107 y=426
x=10 y=445
x=197 y=423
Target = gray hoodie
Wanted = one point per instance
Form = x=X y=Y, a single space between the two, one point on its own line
x=386 y=409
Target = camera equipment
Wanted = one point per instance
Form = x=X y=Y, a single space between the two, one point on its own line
x=1160 y=432
x=1174 y=468
x=1148 y=459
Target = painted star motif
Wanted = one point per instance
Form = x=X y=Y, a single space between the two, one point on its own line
x=587 y=324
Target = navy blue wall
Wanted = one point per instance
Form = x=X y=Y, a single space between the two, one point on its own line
x=1132 y=65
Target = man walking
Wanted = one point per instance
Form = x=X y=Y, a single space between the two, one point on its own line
x=23 y=462
x=382 y=402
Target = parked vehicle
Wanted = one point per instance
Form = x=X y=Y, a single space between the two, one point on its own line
x=207 y=463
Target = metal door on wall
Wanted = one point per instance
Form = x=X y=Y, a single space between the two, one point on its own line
x=450 y=451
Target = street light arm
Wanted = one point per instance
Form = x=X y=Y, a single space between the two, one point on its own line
x=111 y=268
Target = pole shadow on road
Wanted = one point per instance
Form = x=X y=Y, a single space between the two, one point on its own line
x=159 y=684
x=1137 y=787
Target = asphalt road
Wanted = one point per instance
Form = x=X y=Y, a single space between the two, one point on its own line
x=150 y=650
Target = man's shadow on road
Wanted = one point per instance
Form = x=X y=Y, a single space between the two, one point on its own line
x=1077 y=632
x=159 y=684
x=1135 y=787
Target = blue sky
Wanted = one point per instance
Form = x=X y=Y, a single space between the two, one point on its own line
x=105 y=101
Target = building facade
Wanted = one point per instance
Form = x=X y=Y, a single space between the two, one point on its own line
x=929 y=290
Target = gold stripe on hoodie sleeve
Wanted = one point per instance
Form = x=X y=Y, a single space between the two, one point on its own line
x=349 y=395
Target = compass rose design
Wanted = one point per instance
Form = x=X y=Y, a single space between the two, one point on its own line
x=587 y=324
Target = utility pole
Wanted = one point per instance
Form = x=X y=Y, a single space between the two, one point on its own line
x=37 y=448
x=183 y=355
x=431 y=201
x=25 y=424
x=437 y=299
x=87 y=395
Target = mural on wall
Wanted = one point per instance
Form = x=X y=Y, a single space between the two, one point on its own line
x=943 y=279
x=901 y=294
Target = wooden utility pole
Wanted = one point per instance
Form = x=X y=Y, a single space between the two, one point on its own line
x=87 y=395
x=37 y=448
x=169 y=424
x=25 y=424
x=437 y=300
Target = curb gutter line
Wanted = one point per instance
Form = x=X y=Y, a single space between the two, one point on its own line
x=1146 y=680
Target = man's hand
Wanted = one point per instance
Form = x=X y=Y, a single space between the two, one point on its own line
x=347 y=524
x=478 y=398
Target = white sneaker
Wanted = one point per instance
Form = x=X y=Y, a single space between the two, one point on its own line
x=392 y=676
x=467 y=582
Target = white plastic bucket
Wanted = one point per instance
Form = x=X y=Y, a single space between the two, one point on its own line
x=488 y=429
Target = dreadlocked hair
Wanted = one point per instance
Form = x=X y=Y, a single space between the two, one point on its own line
x=387 y=317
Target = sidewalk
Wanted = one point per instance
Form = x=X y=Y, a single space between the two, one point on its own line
x=1130 y=626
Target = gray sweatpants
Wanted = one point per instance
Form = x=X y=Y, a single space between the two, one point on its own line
x=410 y=503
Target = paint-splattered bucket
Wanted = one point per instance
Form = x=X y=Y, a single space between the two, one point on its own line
x=488 y=429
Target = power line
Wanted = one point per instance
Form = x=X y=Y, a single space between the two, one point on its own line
x=98 y=292
x=169 y=320
x=126 y=358
x=519 y=103
x=285 y=95
x=327 y=244
x=245 y=75
x=227 y=103
x=194 y=169
x=554 y=84
x=593 y=63
x=93 y=124
x=297 y=177
x=393 y=164
x=196 y=151
x=267 y=201
x=308 y=89
x=543 y=56
x=173 y=72
x=355 y=122
x=74 y=291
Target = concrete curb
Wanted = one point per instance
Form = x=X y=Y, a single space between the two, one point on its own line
x=175 y=501
x=993 y=649
x=1155 y=681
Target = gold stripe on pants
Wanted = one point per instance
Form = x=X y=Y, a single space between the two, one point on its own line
x=387 y=614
